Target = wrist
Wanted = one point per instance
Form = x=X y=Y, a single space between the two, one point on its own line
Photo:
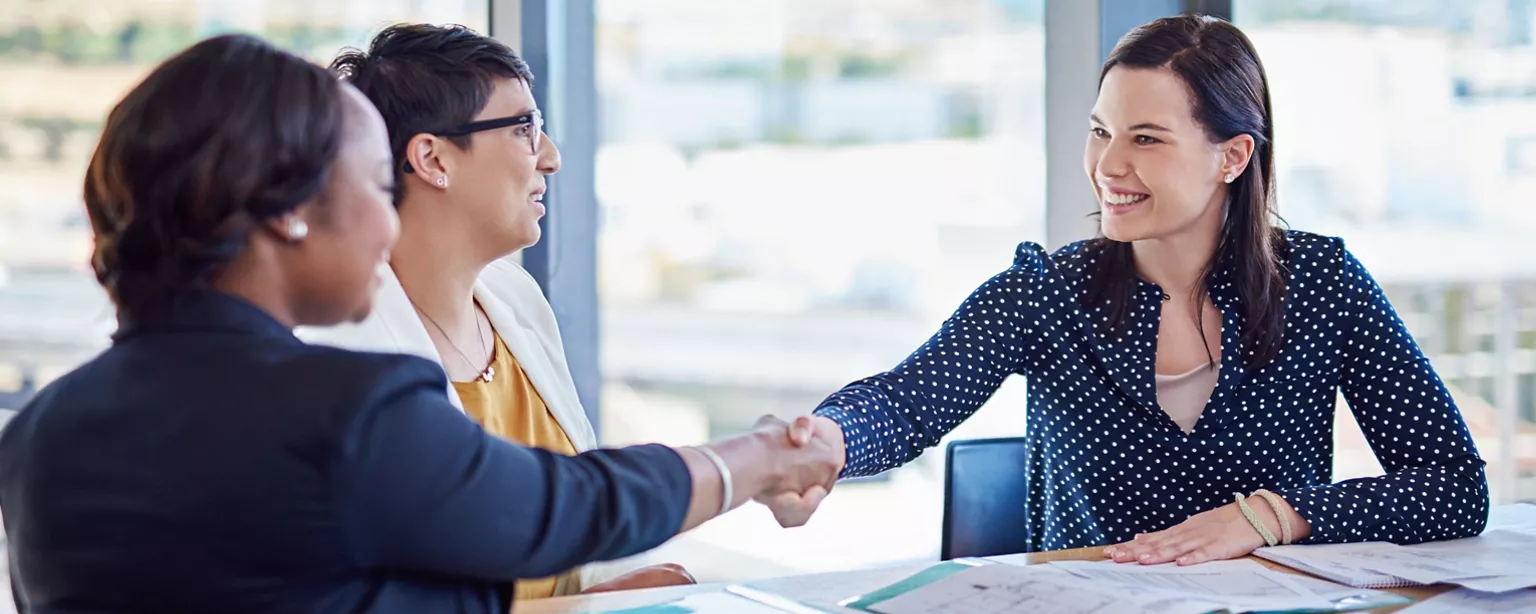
x=833 y=433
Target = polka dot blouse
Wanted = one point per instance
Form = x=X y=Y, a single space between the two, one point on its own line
x=1106 y=463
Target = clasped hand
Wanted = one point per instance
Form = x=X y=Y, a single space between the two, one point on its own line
x=811 y=457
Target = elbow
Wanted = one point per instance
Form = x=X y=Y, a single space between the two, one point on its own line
x=1469 y=513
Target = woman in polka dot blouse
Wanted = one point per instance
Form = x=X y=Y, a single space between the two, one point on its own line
x=1193 y=353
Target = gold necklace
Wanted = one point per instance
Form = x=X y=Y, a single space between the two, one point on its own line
x=489 y=374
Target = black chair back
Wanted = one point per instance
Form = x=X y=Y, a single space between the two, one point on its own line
x=984 y=498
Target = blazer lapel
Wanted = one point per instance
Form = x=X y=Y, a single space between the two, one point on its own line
x=530 y=348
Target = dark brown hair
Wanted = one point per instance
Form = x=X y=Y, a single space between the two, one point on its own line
x=424 y=77
x=1230 y=93
x=225 y=135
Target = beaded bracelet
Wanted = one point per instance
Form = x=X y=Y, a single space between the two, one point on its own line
x=1253 y=519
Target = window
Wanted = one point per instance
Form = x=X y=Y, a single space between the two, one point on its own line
x=64 y=64
x=1407 y=128
x=794 y=195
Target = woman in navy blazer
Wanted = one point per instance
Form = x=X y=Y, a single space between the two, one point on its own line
x=210 y=461
x=1183 y=368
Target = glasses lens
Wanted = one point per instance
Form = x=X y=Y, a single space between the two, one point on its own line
x=536 y=134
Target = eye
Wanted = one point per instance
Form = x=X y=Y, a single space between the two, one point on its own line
x=1098 y=132
x=1142 y=139
x=522 y=130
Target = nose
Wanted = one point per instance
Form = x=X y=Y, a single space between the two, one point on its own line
x=1113 y=161
x=549 y=155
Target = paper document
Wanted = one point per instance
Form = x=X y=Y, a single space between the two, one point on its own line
x=704 y=603
x=1236 y=585
x=1348 y=598
x=1009 y=589
x=1467 y=600
x=1520 y=516
x=1498 y=560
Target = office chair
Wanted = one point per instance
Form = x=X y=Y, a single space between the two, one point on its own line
x=984 y=498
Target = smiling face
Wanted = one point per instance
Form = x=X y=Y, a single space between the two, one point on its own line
x=353 y=224
x=1153 y=166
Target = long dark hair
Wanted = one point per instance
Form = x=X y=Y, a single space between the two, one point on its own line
x=225 y=135
x=1230 y=92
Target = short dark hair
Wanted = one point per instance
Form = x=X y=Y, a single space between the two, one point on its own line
x=424 y=77
x=225 y=135
x=1230 y=94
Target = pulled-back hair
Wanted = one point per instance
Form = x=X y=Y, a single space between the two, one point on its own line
x=216 y=140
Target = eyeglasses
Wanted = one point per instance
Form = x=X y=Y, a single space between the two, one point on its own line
x=533 y=134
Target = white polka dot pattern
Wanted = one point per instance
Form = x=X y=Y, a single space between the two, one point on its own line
x=1107 y=463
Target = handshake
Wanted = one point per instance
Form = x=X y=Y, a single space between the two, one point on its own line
x=788 y=466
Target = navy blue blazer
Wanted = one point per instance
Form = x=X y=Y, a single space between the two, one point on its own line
x=1106 y=462
x=210 y=461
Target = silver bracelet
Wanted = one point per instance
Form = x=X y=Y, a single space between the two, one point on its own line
x=726 y=496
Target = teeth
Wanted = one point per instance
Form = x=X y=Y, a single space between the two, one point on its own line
x=538 y=197
x=1123 y=199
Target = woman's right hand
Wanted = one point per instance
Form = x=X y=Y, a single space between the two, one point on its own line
x=793 y=507
x=788 y=466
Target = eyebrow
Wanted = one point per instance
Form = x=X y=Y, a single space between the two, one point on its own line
x=1140 y=126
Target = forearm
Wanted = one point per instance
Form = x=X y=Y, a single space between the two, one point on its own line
x=881 y=423
x=765 y=462
x=1407 y=506
x=753 y=469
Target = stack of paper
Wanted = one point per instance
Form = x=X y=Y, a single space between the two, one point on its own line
x=1496 y=561
x=1095 y=587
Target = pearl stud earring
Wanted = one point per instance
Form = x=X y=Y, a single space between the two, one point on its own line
x=297 y=229
x=1229 y=178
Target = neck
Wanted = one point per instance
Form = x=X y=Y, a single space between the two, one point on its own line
x=1175 y=262
x=438 y=274
x=247 y=279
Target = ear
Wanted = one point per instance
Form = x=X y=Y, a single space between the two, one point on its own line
x=429 y=158
x=1235 y=154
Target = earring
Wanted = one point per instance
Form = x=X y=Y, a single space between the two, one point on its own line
x=1229 y=177
x=297 y=229
x=442 y=182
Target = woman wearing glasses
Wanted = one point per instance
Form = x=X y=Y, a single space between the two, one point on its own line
x=471 y=166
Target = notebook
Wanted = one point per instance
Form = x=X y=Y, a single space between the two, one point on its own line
x=1496 y=561
x=1338 y=562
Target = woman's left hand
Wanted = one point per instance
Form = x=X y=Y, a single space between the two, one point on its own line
x=1214 y=535
x=665 y=574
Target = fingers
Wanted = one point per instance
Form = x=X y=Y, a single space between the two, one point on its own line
x=795 y=509
x=767 y=420
x=1161 y=547
x=801 y=431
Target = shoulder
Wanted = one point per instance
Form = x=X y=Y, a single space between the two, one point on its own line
x=1321 y=258
x=1305 y=249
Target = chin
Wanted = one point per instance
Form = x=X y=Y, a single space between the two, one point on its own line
x=360 y=313
x=1124 y=233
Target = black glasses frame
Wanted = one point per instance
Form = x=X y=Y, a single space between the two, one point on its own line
x=536 y=118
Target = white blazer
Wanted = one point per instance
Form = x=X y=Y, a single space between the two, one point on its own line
x=519 y=313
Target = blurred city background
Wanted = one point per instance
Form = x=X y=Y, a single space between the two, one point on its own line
x=795 y=193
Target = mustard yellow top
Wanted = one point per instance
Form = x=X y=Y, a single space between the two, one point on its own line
x=510 y=407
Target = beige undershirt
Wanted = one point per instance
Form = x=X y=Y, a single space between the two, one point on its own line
x=1183 y=397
